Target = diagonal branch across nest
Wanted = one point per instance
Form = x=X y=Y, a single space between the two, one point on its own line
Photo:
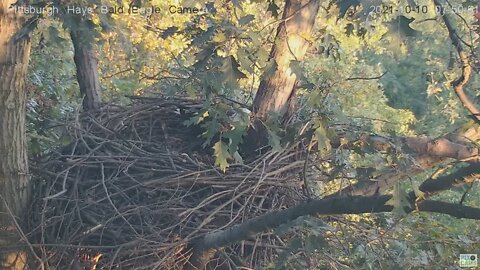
x=134 y=188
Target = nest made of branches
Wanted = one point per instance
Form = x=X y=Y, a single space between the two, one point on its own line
x=135 y=187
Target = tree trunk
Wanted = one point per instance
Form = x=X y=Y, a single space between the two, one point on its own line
x=291 y=44
x=275 y=95
x=87 y=66
x=14 y=177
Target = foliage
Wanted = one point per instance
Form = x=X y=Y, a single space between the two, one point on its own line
x=378 y=73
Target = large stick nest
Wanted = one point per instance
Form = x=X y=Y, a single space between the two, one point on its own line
x=134 y=188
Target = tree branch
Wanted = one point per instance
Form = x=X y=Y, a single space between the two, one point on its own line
x=445 y=182
x=366 y=78
x=452 y=209
x=204 y=248
x=426 y=153
x=462 y=81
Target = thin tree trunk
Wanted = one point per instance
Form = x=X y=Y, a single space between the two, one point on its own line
x=275 y=95
x=87 y=67
x=291 y=44
x=14 y=178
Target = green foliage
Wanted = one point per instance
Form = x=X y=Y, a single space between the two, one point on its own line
x=384 y=74
x=311 y=242
x=53 y=95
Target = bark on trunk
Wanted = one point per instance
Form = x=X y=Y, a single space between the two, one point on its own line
x=275 y=95
x=87 y=67
x=14 y=177
x=291 y=44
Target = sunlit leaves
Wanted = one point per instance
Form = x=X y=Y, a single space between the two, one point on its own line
x=221 y=155
x=224 y=128
x=399 y=201
x=322 y=136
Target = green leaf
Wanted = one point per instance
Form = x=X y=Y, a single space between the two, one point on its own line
x=399 y=31
x=237 y=157
x=314 y=242
x=270 y=69
x=245 y=62
x=297 y=69
x=401 y=26
x=274 y=141
x=237 y=3
x=349 y=29
x=418 y=193
x=321 y=136
x=211 y=129
x=399 y=201
x=26 y=29
x=262 y=56
x=204 y=37
x=231 y=73
x=170 y=31
x=221 y=155
x=246 y=19
x=203 y=56
x=124 y=85
x=273 y=8
x=364 y=173
x=345 y=5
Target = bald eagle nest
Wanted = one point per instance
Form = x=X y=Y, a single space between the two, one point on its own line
x=134 y=188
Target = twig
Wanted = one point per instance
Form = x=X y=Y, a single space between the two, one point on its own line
x=367 y=78
x=20 y=232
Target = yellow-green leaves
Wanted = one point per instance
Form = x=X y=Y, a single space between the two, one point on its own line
x=399 y=201
x=221 y=155
x=322 y=135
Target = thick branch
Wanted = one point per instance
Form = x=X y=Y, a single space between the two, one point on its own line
x=346 y=205
x=204 y=248
x=446 y=182
x=452 y=209
x=425 y=152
